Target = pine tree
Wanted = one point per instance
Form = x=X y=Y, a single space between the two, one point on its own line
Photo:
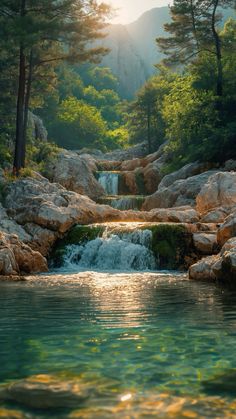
x=195 y=29
x=62 y=27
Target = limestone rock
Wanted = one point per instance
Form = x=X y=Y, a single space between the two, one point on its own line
x=45 y=392
x=9 y=226
x=16 y=257
x=42 y=239
x=202 y=270
x=217 y=215
x=153 y=174
x=75 y=173
x=219 y=190
x=227 y=229
x=185 y=172
x=221 y=267
x=181 y=192
x=175 y=215
x=205 y=243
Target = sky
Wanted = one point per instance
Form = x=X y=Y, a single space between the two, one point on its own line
x=130 y=10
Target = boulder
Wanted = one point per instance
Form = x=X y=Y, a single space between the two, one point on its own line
x=152 y=174
x=74 y=173
x=205 y=243
x=202 y=270
x=185 y=172
x=217 y=215
x=175 y=215
x=181 y=192
x=221 y=267
x=16 y=257
x=227 y=229
x=218 y=191
x=9 y=226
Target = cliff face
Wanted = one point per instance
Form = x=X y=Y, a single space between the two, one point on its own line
x=134 y=51
x=125 y=60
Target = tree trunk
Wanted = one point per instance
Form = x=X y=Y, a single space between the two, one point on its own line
x=219 y=85
x=149 y=128
x=19 y=144
x=26 y=107
x=20 y=114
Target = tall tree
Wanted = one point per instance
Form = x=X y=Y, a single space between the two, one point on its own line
x=195 y=29
x=64 y=28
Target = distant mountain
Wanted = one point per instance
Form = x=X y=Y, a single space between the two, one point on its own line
x=134 y=50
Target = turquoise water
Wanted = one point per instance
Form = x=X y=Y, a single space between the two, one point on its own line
x=145 y=335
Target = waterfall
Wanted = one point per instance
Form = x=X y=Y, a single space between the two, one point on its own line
x=109 y=182
x=113 y=251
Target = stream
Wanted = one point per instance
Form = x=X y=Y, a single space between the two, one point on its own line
x=150 y=343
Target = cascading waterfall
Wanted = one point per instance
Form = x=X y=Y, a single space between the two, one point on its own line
x=109 y=181
x=113 y=251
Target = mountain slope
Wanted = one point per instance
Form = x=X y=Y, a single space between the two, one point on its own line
x=134 y=51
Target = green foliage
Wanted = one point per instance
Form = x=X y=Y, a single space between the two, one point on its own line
x=79 y=124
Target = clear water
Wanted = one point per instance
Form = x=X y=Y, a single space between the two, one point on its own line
x=152 y=345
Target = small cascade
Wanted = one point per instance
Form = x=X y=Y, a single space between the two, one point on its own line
x=122 y=250
x=109 y=181
x=124 y=203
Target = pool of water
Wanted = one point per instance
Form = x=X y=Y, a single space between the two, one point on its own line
x=147 y=342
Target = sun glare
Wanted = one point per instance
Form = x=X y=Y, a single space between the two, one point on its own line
x=126 y=11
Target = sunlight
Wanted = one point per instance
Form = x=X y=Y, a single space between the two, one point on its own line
x=129 y=10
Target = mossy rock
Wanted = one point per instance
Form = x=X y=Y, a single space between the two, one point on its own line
x=171 y=243
x=77 y=235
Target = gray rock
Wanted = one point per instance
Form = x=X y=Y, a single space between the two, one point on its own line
x=181 y=192
x=218 y=191
x=74 y=173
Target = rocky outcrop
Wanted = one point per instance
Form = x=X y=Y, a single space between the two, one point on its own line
x=75 y=173
x=227 y=229
x=205 y=243
x=36 y=125
x=17 y=258
x=174 y=215
x=189 y=170
x=221 y=267
x=181 y=192
x=218 y=191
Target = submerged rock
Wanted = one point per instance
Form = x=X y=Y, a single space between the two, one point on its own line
x=45 y=392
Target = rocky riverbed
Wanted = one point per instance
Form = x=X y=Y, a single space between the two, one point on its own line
x=36 y=212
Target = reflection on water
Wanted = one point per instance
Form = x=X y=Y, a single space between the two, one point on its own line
x=136 y=336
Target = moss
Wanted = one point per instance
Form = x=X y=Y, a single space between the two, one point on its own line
x=77 y=235
x=171 y=243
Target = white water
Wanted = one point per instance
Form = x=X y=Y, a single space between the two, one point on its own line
x=109 y=182
x=125 y=203
x=126 y=251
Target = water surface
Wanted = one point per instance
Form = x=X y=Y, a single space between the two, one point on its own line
x=137 y=338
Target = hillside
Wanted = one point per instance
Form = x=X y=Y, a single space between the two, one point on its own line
x=133 y=49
